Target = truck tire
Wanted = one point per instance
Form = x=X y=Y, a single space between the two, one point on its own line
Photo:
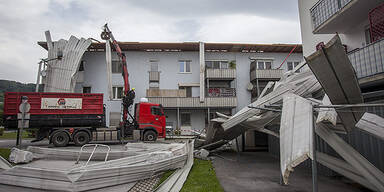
x=81 y=138
x=60 y=139
x=150 y=135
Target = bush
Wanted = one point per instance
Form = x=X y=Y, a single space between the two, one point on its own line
x=1 y=131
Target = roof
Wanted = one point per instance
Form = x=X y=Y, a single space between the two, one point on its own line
x=194 y=46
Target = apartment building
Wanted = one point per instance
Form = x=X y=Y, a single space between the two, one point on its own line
x=192 y=80
x=360 y=25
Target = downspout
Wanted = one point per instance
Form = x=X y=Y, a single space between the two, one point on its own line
x=202 y=71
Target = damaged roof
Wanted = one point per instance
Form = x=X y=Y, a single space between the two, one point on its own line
x=194 y=46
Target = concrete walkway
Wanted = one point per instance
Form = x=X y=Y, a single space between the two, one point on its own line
x=258 y=171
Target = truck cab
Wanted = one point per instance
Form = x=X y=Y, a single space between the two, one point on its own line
x=151 y=120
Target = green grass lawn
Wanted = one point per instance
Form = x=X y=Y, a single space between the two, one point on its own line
x=202 y=177
x=5 y=152
x=12 y=135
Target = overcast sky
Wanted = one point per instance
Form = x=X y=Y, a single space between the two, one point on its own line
x=23 y=23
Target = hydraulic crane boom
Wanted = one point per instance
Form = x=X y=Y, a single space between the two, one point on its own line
x=107 y=35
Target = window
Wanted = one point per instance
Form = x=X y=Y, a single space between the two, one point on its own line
x=185 y=119
x=155 y=110
x=264 y=64
x=154 y=65
x=188 y=91
x=153 y=85
x=81 y=67
x=291 y=65
x=185 y=66
x=117 y=66
x=117 y=92
x=217 y=64
x=86 y=89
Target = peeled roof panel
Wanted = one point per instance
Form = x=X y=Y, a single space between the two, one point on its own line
x=335 y=73
x=295 y=133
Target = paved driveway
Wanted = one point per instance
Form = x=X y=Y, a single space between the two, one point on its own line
x=258 y=171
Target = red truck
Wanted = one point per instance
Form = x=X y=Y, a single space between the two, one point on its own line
x=79 y=117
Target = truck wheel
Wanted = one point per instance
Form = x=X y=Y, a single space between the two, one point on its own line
x=81 y=138
x=60 y=139
x=150 y=136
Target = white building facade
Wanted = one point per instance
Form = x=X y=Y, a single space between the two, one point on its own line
x=191 y=80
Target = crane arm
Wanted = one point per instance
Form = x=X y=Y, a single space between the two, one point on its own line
x=107 y=35
x=127 y=99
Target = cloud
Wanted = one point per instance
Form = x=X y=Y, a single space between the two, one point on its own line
x=249 y=29
x=24 y=22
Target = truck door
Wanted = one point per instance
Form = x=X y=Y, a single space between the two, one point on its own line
x=159 y=121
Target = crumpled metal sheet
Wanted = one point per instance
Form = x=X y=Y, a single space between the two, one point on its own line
x=372 y=174
x=62 y=73
x=20 y=156
x=175 y=182
x=336 y=75
x=373 y=124
x=296 y=133
x=327 y=115
x=4 y=164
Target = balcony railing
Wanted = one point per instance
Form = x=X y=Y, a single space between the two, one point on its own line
x=221 y=92
x=221 y=73
x=154 y=76
x=166 y=93
x=368 y=60
x=194 y=102
x=325 y=9
x=266 y=74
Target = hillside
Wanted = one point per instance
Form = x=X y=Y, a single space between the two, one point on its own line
x=13 y=86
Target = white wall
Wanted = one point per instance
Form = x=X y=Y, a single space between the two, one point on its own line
x=138 y=67
x=308 y=38
x=354 y=38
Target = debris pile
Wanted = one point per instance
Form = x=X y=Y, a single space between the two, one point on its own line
x=329 y=90
x=51 y=172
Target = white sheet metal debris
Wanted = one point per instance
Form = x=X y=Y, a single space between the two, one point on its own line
x=334 y=71
x=65 y=175
x=4 y=164
x=175 y=182
x=373 y=124
x=332 y=74
x=108 y=58
x=343 y=168
x=350 y=155
x=20 y=156
x=202 y=154
x=63 y=63
x=295 y=133
x=327 y=115
x=303 y=84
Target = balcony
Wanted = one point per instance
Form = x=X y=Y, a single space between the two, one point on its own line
x=194 y=102
x=369 y=60
x=266 y=74
x=330 y=16
x=166 y=93
x=220 y=74
x=221 y=92
x=154 y=76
